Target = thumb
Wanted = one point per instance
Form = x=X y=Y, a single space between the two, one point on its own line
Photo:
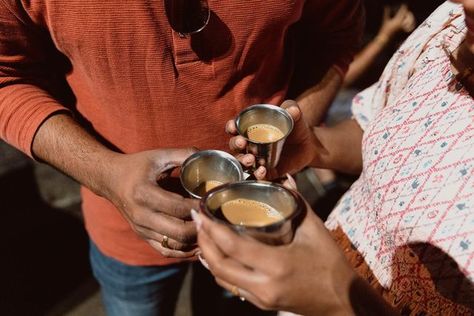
x=176 y=156
x=293 y=109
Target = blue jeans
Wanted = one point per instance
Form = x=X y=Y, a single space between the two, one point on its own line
x=135 y=290
x=153 y=290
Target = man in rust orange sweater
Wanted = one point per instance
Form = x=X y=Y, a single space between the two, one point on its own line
x=108 y=93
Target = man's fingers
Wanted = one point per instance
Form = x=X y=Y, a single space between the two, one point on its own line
x=292 y=108
x=237 y=143
x=231 y=128
x=174 y=157
x=171 y=240
x=155 y=198
x=170 y=253
x=246 y=160
x=260 y=173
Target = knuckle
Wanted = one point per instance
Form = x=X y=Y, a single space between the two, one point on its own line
x=179 y=209
x=138 y=194
x=279 y=271
x=136 y=216
x=230 y=247
x=232 y=144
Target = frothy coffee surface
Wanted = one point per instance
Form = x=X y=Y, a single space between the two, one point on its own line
x=206 y=186
x=250 y=213
x=264 y=133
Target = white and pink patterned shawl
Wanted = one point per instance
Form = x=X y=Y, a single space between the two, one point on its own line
x=417 y=184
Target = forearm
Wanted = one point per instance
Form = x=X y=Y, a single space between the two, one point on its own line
x=364 y=59
x=339 y=148
x=64 y=144
x=315 y=101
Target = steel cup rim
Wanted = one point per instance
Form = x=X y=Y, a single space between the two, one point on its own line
x=268 y=106
x=209 y=152
x=300 y=206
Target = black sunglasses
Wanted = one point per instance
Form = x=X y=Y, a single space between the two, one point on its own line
x=187 y=17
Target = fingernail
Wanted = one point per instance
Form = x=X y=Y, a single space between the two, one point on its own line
x=261 y=170
x=291 y=182
x=197 y=220
x=240 y=142
x=203 y=261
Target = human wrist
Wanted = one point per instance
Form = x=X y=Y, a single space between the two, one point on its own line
x=108 y=174
x=382 y=39
x=337 y=300
x=343 y=278
x=317 y=150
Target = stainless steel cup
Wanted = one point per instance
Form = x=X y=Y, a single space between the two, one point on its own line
x=287 y=202
x=267 y=154
x=209 y=165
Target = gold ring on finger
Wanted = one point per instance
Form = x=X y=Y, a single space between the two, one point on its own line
x=164 y=242
x=236 y=292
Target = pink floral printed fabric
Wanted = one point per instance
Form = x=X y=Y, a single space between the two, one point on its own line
x=416 y=190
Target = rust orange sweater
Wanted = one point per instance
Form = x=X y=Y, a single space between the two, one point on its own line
x=137 y=85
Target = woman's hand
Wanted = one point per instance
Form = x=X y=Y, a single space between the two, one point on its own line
x=310 y=276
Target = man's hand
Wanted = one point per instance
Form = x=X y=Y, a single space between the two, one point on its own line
x=129 y=181
x=152 y=212
x=300 y=149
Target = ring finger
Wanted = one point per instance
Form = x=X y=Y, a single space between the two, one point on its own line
x=165 y=241
x=166 y=251
x=243 y=294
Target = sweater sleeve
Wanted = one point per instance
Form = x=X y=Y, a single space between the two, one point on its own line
x=28 y=78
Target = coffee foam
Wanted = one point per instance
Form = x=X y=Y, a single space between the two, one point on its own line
x=264 y=133
x=250 y=213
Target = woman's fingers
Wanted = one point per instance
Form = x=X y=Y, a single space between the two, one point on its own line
x=245 y=250
x=242 y=293
x=224 y=267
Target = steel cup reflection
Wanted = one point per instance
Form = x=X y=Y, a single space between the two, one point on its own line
x=287 y=203
x=267 y=153
x=206 y=169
